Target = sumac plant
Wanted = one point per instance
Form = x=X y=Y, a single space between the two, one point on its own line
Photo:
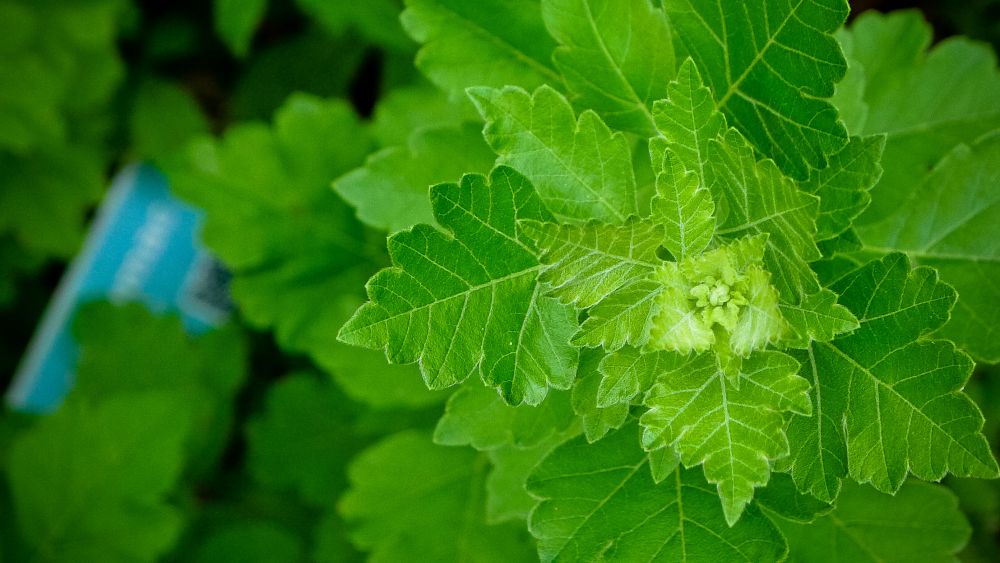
x=723 y=286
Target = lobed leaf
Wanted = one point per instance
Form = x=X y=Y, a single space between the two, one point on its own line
x=951 y=221
x=600 y=501
x=771 y=66
x=615 y=56
x=922 y=522
x=759 y=199
x=468 y=301
x=888 y=400
x=584 y=264
x=925 y=101
x=685 y=209
x=581 y=168
x=481 y=43
x=734 y=431
x=409 y=496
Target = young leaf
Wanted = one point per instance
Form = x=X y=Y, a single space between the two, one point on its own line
x=628 y=372
x=91 y=481
x=951 y=221
x=888 y=401
x=734 y=431
x=481 y=43
x=584 y=264
x=770 y=65
x=624 y=318
x=616 y=57
x=391 y=190
x=688 y=120
x=409 y=497
x=469 y=301
x=925 y=102
x=921 y=522
x=685 y=209
x=600 y=502
x=761 y=200
x=818 y=317
x=581 y=169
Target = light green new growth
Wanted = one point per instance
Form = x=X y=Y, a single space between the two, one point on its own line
x=721 y=298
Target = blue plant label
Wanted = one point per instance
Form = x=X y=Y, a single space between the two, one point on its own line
x=143 y=246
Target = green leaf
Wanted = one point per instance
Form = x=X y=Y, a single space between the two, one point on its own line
x=468 y=301
x=951 y=221
x=734 y=431
x=688 y=120
x=303 y=439
x=236 y=21
x=771 y=66
x=599 y=502
x=391 y=191
x=842 y=187
x=624 y=318
x=819 y=317
x=616 y=57
x=628 y=372
x=921 y=522
x=925 y=101
x=90 y=482
x=584 y=264
x=481 y=43
x=888 y=400
x=581 y=169
x=760 y=200
x=597 y=420
x=477 y=416
x=409 y=497
x=782 y=498
x=255 y=542
x=685 y=209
